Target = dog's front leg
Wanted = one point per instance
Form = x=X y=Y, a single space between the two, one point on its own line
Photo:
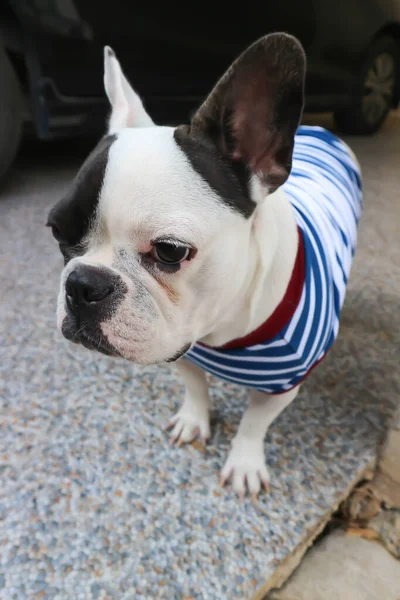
x=193 y=418
x=246 y=460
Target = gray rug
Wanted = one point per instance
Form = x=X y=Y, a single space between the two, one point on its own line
x=94 y=504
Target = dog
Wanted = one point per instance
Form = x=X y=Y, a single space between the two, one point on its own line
x=224 y=245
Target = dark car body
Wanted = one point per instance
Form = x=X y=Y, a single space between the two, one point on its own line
x=174 y=53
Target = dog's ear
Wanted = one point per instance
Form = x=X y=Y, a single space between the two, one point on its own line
x=126 y=107
x=254 y=110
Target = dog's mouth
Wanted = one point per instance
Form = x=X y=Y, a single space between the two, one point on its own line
x=89 y=336
x=179 y=354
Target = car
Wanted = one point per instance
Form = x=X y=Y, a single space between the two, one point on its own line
x=51 y=54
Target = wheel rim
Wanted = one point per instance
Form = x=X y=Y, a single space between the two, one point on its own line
x=378 y=88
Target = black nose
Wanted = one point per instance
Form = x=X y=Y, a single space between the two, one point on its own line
x=87 y=285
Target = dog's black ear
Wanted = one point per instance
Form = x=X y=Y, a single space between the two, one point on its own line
x=254 y=110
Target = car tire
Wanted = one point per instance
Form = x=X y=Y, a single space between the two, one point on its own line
x=10 y=115
x=375 y=89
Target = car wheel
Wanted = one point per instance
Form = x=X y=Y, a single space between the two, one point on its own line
x=10 y=115
x=375 y=89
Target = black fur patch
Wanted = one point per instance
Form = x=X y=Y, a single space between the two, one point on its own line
x=228 y=179
x=91 y=338
x=70 y=218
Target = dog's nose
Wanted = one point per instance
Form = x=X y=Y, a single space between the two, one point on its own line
x=87 y=286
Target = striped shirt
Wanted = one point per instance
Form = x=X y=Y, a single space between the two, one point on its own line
x=324 y=189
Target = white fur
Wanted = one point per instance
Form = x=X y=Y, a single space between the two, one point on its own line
x=193 y=418
x=127 y=107
x=245 y=463
x=246 y=459
x=273 y=248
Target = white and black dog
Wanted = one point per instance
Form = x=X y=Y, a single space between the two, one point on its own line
x=184 y=241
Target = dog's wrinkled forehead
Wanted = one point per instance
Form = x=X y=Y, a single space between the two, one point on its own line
x=158 y=175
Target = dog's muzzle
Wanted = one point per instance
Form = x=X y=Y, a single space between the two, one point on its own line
x=92 y=295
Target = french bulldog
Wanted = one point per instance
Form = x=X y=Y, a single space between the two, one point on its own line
x=224 y=245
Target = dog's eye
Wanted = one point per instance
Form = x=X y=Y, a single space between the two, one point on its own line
x=169 y=253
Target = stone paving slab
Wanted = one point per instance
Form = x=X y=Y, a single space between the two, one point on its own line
x=343 y=566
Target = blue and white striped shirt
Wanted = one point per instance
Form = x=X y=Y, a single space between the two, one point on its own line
x=324 y=188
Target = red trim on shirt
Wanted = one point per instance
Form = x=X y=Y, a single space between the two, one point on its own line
x=282 y=313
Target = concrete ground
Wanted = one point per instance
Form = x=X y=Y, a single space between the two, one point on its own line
x=93 y=501
x=346 y=567
x=360 y=559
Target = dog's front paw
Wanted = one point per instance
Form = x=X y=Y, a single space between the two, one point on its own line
x=246 y=467
x=189 y=423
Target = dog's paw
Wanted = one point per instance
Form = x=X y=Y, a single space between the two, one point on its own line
x=189 y=423
x=246 y=467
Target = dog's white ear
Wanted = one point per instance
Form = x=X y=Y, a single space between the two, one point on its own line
x=127 y=109
x=254 y=110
